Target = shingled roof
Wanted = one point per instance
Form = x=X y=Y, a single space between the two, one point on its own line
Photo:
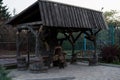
x=53 y=14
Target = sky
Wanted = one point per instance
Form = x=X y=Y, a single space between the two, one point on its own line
x=108 y=5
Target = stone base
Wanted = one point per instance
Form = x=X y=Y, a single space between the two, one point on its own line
x=93 y=62
x=21 y=63
x=37 y=68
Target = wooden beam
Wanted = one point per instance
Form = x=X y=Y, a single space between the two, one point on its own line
x=31 y=29
x=86 y=33
x=78 y=36
x=71 y=41
x=97 y=31
x=68 y=37
x=91 y=31
x=32 y=23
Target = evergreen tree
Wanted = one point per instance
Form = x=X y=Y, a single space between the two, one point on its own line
x=4 y=74
x=4 y=13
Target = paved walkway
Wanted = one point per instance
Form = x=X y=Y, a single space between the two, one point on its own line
x=80 y=71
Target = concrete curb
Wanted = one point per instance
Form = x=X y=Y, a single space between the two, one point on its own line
x=110 y=65
x=104 y=64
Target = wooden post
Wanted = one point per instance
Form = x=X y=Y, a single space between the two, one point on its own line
x=28 y=47
x=84 y=45
x=73 y=40
x=38 y=65
x=95 y=56
x=18 y=43
x=37 y=44
x=38 y=32
x=73 y=48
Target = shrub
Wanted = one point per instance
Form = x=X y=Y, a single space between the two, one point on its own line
x=110 y=54
x=4 y=74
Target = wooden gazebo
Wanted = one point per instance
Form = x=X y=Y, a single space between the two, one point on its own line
x=45 y=19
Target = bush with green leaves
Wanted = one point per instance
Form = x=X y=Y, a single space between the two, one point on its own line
x=4 y=74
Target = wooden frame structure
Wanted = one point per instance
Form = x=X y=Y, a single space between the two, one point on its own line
x=45 y=19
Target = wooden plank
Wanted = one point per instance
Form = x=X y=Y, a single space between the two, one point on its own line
x=61 y=15
x=87 y=19
x=94 y=18
x=45 y=13
x=79 y=18
x=32 y=23
x=41 y=12
x=59 y=21
x=47 y=7
x=90 y=18
x=76 y=16
x=53 y=15
x=100 y=20
x=82 y=18
x=73 y=17
x=102 y=23
x=68 y=16
x=65 y=16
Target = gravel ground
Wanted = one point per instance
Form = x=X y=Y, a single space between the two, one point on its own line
x=80 y=71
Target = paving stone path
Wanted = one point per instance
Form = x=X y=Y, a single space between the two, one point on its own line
x=80 y=71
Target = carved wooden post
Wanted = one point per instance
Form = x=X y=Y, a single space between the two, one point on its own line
x=73 y=48
x=94 y=60
x=92 y=37
x=18 y=43
x=28 y=47
x=37 y=43
x=21 y=61
x=95 y=56
x=72 y=40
